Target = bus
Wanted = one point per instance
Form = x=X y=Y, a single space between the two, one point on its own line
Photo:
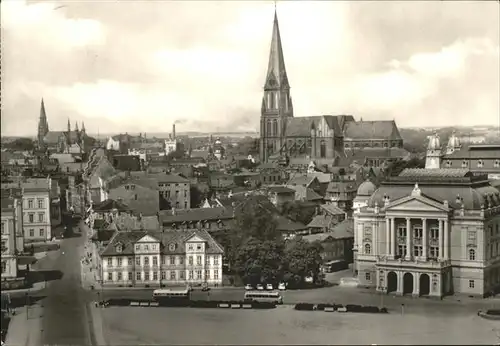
x=263 y=296
x=167 y=294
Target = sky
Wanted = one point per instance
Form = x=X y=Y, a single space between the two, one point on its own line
x=136 y=66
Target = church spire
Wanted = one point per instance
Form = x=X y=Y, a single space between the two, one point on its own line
x=43 y=125
x=276 y=73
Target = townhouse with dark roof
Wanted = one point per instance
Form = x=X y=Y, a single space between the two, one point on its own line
x=162 y=259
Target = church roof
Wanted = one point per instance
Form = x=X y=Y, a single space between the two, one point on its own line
x=301 y=126
x=52 y=137
x=372 y=130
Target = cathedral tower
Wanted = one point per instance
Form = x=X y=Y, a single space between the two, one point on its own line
x=43 y=125
x=434 y=154
x=276 y=101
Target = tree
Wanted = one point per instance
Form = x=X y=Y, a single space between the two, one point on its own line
x=196 y=196
x=302 y=259
x=396 y=167
x=299 y=211
x=254 y=218
x=20 y=144
x=259 y=261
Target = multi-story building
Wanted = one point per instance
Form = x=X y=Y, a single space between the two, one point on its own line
x=477 y=158
x=175 y=189
x=36 y=208
x=140 y=194
x=430 y=232
x=11 y=235
x=159 y=259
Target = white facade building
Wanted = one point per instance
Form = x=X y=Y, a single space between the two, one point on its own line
x=430 y=232
x=36 y=209
x=158 y=259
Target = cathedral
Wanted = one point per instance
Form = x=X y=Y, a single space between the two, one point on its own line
x=70 y=142
x=322 y=138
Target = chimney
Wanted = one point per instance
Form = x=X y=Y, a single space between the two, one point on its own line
x=173 y=131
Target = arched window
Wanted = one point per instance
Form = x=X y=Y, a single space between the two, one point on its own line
x=268 y=128
x=464 y=163
x=480 y=163
x=271 y=100
x=322 y=149
x=275 y=128
x=472 y=255
x=276 y=101
x=368 y=249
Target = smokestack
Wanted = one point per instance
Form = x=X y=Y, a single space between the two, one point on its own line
x=173 y=131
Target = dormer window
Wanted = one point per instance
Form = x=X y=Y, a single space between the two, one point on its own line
x=448 y=163
x=132 y=187
x=464 y=163
x=119 y=248
x=171 y=247
x=497 y=164
x=126 y=187
x=138 y=247
x=480 y=163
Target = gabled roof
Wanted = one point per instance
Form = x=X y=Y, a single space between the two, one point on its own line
x=321 y=237
x=109 y=205
x=381 y=129
x=279 y=189
x=311 y=195
x=36 y=184
x=176 y=237
x=195 y=215
x=322 y=221
x=342 y=186
x=284 y=224
x=302 y=180
x=332 y=209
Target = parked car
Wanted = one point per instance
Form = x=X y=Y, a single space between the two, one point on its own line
x=282 y=286
x=260 y=287
x=269 y=287
x=248 y=287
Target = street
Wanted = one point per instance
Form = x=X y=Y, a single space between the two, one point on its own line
x=65 y=319
x=336 y=295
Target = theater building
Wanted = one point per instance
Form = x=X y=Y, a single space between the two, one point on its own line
x=430 y=232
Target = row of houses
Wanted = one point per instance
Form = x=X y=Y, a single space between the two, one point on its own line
x=31 y=208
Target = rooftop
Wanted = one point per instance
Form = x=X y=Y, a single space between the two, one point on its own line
x=195 y=215
x=36 y=184
x=177 y=238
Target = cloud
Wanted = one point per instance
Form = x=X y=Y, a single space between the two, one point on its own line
x=141 y=66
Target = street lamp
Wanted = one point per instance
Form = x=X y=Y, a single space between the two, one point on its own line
x=382 y=288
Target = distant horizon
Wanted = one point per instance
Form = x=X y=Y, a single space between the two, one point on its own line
x=160 y=135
